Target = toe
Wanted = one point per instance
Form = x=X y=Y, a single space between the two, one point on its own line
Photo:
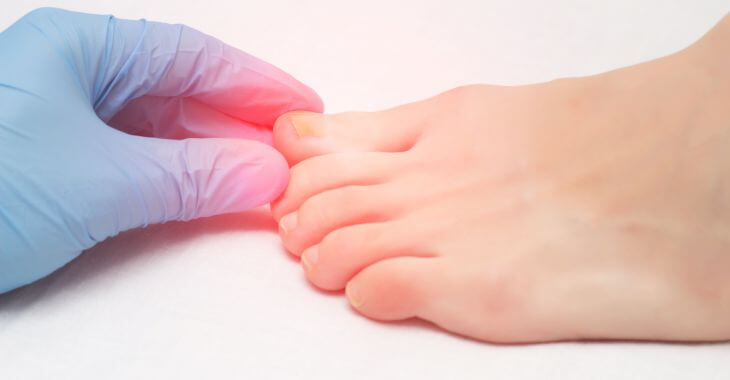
x=328 y=172
x=346 y=251
x=335 y=209
x=395 y=289
x=479 y=299
x=301 y=135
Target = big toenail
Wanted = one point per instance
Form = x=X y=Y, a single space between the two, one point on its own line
x=310 y=257
x=306 y=126
x=288 y=223
x=353 y=295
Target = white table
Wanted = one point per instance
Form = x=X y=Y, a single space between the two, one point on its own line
x=219 y=298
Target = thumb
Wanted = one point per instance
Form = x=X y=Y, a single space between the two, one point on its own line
x=192 y=178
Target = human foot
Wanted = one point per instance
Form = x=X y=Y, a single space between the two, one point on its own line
x=582 y=208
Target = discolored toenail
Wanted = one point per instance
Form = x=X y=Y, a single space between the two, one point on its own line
x=307 y=125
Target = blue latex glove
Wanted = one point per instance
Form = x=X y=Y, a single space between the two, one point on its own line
x=69 y=181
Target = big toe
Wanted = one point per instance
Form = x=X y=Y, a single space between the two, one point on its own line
x=301 y=135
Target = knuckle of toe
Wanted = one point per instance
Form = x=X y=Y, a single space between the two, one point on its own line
x=502 y=302
x=299 y=177
x=335 y=241
x=346 y=196
x=499 y=291
x=328 y=207
x=314 y=211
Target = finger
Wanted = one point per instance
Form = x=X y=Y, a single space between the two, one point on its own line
x=180 y=118
x=175 y=60
x=192 y=178
x=115 y=61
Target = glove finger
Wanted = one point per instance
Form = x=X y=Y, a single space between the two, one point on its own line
x=114 y=61
x=180 y=118
x=151 y=58
x=187 y=179
x=122 y=182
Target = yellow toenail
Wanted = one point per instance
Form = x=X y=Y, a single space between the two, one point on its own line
x=353 y=295
x=288 y=222
x=310 y=257
x=307 y=125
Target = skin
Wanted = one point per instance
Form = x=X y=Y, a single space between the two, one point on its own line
x=583 y=208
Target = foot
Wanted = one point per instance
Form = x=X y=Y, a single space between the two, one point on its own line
x=582 y=208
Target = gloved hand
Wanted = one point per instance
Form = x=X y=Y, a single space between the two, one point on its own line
x=69 y=181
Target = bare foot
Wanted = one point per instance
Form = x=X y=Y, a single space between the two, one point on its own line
x=593 y=207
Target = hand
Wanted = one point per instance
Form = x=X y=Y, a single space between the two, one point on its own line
x=69 y=181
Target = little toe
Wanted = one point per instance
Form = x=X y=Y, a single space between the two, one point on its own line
x=328 y=172
x=346 y=251
x=396 y=289
x=301 y=135
x=333 y=209
x=476 y=299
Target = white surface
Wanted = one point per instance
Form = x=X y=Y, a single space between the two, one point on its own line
x=219 y=299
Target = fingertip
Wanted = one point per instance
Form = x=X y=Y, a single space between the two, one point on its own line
x=241 y=174
x=292 y=95
x=273 y=176
x=302 y=98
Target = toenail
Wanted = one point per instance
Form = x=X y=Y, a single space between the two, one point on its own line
x=288 y=223
x=310 y=257
x=353 y=295
x=306 y=127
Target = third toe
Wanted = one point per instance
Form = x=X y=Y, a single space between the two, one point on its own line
x=328 y=172
x=333 y=209
x=346 y=251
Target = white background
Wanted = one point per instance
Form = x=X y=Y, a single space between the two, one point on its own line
x=219 y=298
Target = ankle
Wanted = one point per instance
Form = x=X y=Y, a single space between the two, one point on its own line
x=709 y=58
x=712 y=54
